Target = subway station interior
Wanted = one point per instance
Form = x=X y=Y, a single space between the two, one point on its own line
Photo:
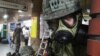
x=49 y=28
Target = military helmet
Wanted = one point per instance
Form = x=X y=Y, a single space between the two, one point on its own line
x=53 y=9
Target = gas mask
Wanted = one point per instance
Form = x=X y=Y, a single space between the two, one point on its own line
x=54 y=9
x=66 y=30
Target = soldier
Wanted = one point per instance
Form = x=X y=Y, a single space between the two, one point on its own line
x=17 y=36
x=63 y=17
x=27 y=51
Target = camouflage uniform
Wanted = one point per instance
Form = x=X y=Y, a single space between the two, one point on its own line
x=17 y=33
x=57 y=10
x=61 y=49
x=27 y=51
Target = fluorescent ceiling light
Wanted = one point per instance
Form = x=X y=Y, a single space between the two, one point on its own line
x=5 y=16
x=20 y=11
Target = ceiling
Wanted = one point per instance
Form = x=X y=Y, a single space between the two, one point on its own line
x=14 y=13
x=85 y=4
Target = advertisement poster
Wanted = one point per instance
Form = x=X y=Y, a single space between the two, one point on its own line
x=12 y=26
x=34 y=27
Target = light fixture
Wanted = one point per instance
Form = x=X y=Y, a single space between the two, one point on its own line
x=5 y=16
x=20 y=11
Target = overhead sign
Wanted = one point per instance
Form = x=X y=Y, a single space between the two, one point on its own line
x=4 y=4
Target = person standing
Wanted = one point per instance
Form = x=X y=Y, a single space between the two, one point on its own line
x=17 y=36
x=26 y=35
x=9 y=39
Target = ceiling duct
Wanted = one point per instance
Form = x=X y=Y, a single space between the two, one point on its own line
x=9 y=5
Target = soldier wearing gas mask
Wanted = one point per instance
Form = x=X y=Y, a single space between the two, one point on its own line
x=63 y=17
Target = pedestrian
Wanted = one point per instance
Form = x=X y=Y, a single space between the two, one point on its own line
x=26 y=35
x=9 y=39
x=17 y=36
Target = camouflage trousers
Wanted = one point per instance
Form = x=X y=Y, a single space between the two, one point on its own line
x=17 y=44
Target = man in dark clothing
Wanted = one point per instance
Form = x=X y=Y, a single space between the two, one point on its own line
x=17 y=36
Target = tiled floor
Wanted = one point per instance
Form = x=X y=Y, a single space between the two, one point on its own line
x=4 y=49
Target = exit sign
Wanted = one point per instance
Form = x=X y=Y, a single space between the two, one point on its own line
x=9 y=5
